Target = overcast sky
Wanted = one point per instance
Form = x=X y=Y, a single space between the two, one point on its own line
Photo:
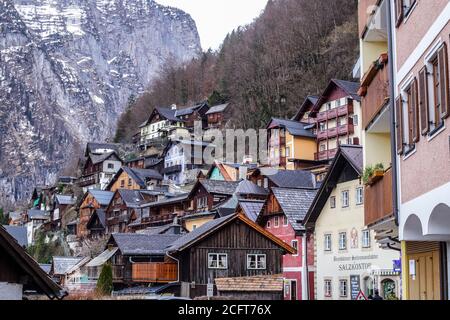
x=216 y=18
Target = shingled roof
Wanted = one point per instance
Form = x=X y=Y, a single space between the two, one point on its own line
x=295 y=128
x=102 y=197
x=247 y=187
x=220 y=187
x=295 y=204
x=218 y=108
x=292 y=179
x=309 y=101
x=65 y=199
x=61 y=265
x=251 y=208
x=19 y=233
x=134 y=244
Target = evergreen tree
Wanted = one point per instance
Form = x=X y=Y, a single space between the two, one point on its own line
x=4 y=218
x=105 y=281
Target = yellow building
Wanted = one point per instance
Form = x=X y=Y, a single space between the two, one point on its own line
x=290 y=142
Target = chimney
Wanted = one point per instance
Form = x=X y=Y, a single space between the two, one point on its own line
x=173 y=107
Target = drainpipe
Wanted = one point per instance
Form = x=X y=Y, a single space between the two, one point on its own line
x=305 y=268
x=392 y=110
x=178 y=267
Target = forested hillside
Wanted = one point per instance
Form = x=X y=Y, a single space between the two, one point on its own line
x=290 y=51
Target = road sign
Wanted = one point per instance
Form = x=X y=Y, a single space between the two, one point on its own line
x=361 y=296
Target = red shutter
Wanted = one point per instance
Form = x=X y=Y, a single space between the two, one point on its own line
x=423 y=101
x=415 y=113
x=398 y=12
x=399 y=124
x=443 y=73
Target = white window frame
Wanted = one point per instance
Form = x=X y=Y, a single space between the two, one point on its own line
x=343 y=288
x=366 y=241
x=285 y=221
x=328 y=288
x=332 y=202
x=359 y=196
x=295 y=247
x=345 y=200
x=257 y=261
x=276 y=222
x=328 y=245
x=217 y=256
x=343 y=244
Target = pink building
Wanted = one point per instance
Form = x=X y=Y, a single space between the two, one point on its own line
x=283 y=216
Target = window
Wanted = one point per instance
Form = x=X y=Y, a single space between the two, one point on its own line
x=343 y=241
x=343 y=288
x=194 y=227
x=332 y=202
x=359 y=196
x=344 y=199
x=327 y=288
x=402 y=9
x=294 y=244
x=110 y=165
x=327 y=242
x=285 y=221
x=217 y=261
x=366 y=239
x=322 y=126
x=276 y=222
x=323 y=147
x=202 y=202
x=130 y=181
x=268 y=224
x=256 y=261
x=437 y=103
x=355 y=120
x=288 y=152
x=266 y=183
x=122 y=183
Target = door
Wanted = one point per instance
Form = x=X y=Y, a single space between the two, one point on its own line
x=293 y=289
x=425 y=285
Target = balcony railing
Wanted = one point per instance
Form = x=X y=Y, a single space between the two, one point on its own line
x=154 y=272
x=378 y=203
x=172 y=169
x=325 y=155
x=341 y=130
x=374 y=90
x=335 y=112
x=88 y=180
x=365 y=11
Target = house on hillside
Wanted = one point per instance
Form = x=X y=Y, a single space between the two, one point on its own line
x=63 y=268
x=19 y=233
x=96 y=226
x=102 y=162
x=92 y=200
x=228 y=247
x=283 y=215
x=229 y=171
x=269 y=177
x=34 y=220
x=60 y=204
x=219 y=116
x=135 y=179
x=192 y=114
x=19 y=272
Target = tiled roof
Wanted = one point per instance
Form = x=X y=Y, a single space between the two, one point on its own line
x=63 y=264
x=295 y=128
x=102 y=197
x=220 y=187
x=251 y=208
x=295 y=204
x=247 y=187
x=219 y=108
x=293 y=179
x=141 y=175
x=354 y=154
x=269 y=283
x=18 y=233
x=168 y=113
x=143 y=244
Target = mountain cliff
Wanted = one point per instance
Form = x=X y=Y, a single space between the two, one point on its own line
x=67 y=71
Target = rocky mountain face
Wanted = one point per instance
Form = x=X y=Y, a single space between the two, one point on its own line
x=67 y=70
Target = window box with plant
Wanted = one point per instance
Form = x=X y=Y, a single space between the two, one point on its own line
x=373 y=174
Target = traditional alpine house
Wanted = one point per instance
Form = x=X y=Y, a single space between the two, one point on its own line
x=60 y=204
x=228 y=247
x=92 y=200
x=135 y=179
x=218 y=116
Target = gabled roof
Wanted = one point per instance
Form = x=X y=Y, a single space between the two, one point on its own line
x=19 y=234
x=102 y=258
x=91 y=147
x=295 y=128
x=189 y=110
x=349 y=87
x=38 y=214
x=65 y=199
x=61 y=265
x=135 y=244
x=210 y=227
x=29 y=266
x=99 y=158
x=247 y=187
x=131 y=198
x=168 y=201
x=101 y=215
x=168 y=113
x=310 y=102
x=102 y=197
x=139 y=176
x=349 y=160
x=295 y=204
x=218 y=108
x=251 y=208
x=219 y=187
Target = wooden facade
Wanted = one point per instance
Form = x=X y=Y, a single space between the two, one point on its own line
x=87 y=208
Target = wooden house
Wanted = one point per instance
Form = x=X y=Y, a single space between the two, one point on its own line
x=20 y=272
x=92 y=200
x=228 y=247
x=192 y=114
x=96 y=225
x=60 y=204
x=268 y=178
x=62 y=267
x=229 y=171
x=218 y=116
x=122 y=209
x=135 y=179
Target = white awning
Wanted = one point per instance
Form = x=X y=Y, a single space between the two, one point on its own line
x=102 y=258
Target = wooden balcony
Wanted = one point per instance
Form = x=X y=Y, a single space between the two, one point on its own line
x=374 y=90
x=172 y=169
x=154 y=272
x=86 y=181
x=335 y=112
x=378 y=203
x=346 y=129
x=325 y=155
x=365 y=11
